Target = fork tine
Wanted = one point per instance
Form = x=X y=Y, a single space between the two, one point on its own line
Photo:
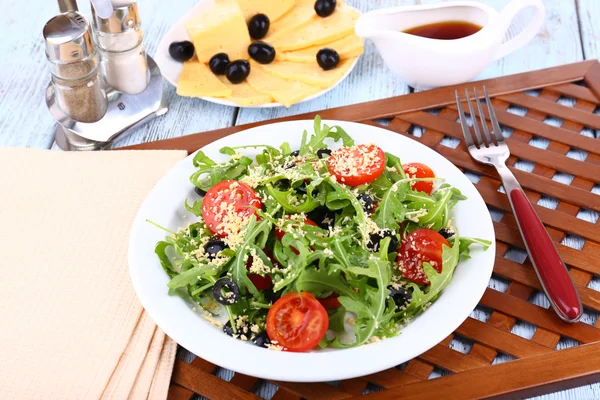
x=497 y=132
x=474 y=118
x=463 y=122
x=486 y=131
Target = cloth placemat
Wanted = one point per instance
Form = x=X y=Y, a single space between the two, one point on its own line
x=67 y=307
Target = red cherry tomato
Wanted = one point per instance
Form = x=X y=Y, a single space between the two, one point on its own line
x=422 y=245
x=297 y=321
x=357 y=165
x=279 y=233
x=418 y=170
x=262 y=282
x=330 y=301
x=226 y=205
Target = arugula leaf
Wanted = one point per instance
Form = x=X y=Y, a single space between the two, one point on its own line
x=319 y=282
x=466 y=242
x=195 y=208
x=391 y=209
x=161 y=251
x=438 y=281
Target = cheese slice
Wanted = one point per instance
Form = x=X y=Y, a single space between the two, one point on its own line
x=271 y=8
x=320 y=30
x=309 y=73
x=244 y=94
x=197 y=80
x=222 y=29
x=287 y=92
x=347 y=47
x=297 y=17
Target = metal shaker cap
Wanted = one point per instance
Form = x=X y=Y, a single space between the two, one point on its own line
x=125 y=17
x=68 y=38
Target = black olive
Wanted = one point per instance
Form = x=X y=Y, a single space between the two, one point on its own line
x=262 y=340
x=199 y=191
x=231 y=287
x=366 y=201
x=258 y=26
x=447 y=232
x=237 y=71
x=228 y=329
x=218 y=63
x=181 y=51
x=323 y=217
x=214 y=246
x=321 y=153
x=376 y=238
x=271 y=296
x=328 y=59
x=261 y=52
x=302 y=188
x=295 y=153
x=324 y=8
x=401 y=296
x=289 y=165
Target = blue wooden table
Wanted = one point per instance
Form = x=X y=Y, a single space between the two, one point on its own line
x=570 y=33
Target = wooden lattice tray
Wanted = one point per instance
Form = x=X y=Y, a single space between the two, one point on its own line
x=552 y=108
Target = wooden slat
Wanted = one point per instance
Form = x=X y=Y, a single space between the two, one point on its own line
x=574 y=91
x=545 y=318
x=560 y=191
x=451 y=360
x=526 y=275
x=390 y=378
x=552 y=108
x=541 y=129
x=553 y=218
x=576 y=258
x=205 y=384
x=177 y=392
x=559 y=370
x=500 y=340
x=517 y=148
x=313 y=391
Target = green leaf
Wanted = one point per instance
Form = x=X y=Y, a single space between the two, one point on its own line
x=189 y=277
x=161 y=251
x=438 y=281
x=195 y=208
x=319 y=282
x=337 y=319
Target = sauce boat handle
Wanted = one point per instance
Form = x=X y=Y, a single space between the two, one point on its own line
x=506 y=17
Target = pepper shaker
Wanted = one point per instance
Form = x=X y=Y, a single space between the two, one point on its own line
x=78 y=89
x=123 y=57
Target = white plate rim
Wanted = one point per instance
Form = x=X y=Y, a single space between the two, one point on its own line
x=170 y=69
x=170 y=312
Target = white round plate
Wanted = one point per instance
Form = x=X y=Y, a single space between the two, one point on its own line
x=171 y=69
x=174 y=315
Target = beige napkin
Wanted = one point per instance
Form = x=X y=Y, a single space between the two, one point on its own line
x=72 y=327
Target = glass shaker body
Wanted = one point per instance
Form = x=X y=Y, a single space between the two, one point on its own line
x=123 y=60
x=78 y=89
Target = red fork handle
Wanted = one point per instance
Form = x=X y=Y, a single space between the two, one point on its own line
x=550 y=269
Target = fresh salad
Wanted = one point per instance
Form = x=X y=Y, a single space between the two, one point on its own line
x=314 y=247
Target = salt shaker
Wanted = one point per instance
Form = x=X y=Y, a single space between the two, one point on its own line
x=78 y=89
x=122 y=55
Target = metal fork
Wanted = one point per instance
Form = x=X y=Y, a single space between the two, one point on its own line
x=489 y=147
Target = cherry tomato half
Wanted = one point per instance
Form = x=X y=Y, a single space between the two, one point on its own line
x=297 y=321
x=279 y=234
x=422 y=245
x=262 y=282
x=357 y=165
x=330 y=301
x=226 y=205
x=418 y=170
